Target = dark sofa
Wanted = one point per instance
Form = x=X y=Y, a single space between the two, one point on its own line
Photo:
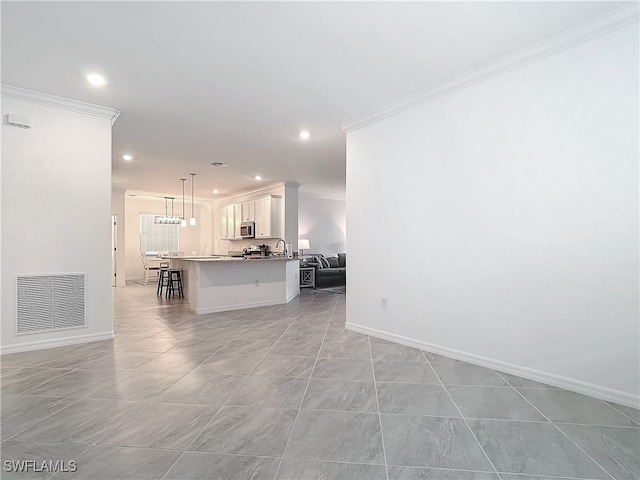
x=330 y=271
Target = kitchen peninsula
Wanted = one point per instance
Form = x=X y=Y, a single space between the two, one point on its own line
x=218 y=284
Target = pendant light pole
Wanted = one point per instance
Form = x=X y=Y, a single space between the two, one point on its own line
x=192 y=220
x=183 y=221
x=166 y=219
x=174 y=219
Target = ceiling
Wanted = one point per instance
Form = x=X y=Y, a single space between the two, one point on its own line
x=235 y=82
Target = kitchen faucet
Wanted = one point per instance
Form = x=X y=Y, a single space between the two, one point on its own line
x=284 y=246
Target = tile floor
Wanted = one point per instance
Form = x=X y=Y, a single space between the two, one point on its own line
x=286 y=392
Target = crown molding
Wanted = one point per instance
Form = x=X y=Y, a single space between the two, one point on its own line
x=143 y=195
x=253 y=191
x=39 y=98
x=223 y=200
x=601 y=25
x=324 y=196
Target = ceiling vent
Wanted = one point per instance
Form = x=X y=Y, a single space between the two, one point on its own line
x=219 y=164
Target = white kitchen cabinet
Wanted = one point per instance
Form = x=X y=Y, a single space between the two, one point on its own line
x=237 y=221
x=268 y=216
x=248 y=211
x=230 y=220
x=224 y=235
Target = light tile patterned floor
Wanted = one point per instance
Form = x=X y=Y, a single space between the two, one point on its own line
x=286 y=392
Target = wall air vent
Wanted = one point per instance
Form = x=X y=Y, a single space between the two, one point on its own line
x=47 y=302
x=219 y=164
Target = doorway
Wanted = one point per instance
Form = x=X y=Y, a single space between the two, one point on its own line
x=114 y=239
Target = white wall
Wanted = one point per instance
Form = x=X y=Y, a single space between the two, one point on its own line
x=323 y=221
x=56 y=209
x=506 y=221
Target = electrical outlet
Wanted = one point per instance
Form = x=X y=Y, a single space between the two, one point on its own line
x=383 y=302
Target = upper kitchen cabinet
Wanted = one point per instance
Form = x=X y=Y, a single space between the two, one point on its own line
x=237 y=221
x=223 y=223
x=248 y=211
x=230 y=220
x=268 y=216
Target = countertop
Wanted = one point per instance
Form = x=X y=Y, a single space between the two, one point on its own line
x=216 y=258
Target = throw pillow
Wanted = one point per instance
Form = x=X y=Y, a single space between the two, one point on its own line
x=342 y=260
x=325 y=262
x=318 y=259
x=333 y=262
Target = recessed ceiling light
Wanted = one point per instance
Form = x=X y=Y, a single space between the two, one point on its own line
x=96 y=79
x=216 y=191
x=304 y=135
x=258 y=177
x=127 y=157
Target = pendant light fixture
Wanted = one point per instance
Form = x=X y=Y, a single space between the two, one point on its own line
x=166 y=219
x=162 y=218
x=192 y=220
x=183 y=221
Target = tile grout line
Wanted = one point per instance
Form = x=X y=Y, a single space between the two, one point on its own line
x=284 y=318
x=75 y=400
x=637 y=425
x=375 y=387
x=558 y=428
x=59 y=474
x=266 y=353
x=236 y=389
x=25 y=392
x=637 y=422
x=231 y=394
x=293 y=426
x=461 y=416
x=96 y=442
x=147 y=401
x=143 y=402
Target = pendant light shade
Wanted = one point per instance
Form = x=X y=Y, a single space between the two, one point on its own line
x=183 y=221
x=192 y=220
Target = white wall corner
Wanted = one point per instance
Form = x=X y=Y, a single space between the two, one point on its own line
x=526 y=219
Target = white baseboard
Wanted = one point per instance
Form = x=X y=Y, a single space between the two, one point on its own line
x=238 y=306
x=242 y=306
x=578 y=386
x=55 y=342
x=291 y=297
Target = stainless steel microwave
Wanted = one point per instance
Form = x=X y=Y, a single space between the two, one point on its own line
x=248 y=229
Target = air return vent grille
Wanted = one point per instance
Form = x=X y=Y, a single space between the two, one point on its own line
x=50 y=302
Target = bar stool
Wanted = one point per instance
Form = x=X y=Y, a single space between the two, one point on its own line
x=163 y=280
x=175 y=279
